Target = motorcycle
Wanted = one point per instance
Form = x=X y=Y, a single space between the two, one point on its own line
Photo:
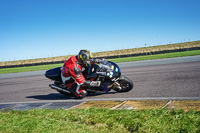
x=107 y=72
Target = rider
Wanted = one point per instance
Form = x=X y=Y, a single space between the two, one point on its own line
x=72 y=73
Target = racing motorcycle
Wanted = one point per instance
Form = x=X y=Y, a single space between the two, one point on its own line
x=107 y=72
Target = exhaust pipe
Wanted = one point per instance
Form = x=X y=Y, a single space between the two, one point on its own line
x=59 y=89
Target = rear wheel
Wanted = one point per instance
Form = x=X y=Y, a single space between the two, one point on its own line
x=124 y=84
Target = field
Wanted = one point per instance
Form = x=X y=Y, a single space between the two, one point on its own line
x=99 y=121
x=117 y=60
x=142 y=50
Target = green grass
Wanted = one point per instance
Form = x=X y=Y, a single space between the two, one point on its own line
x=99 y=121
x=157 y=56
x=117 y=60
x=29 y=68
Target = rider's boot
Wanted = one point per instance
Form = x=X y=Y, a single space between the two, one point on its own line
x=79 y=92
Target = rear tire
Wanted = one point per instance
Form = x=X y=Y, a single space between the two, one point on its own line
x=126 y=84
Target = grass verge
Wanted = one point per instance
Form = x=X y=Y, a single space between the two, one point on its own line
x=99 y=120
x=157 y=56
x=151 y=49
x=117 y=60
x=29 y=68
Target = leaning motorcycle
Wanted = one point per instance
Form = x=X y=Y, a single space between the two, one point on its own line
x=107 y=72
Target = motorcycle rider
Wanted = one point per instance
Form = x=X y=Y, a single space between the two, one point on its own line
x=72 y=72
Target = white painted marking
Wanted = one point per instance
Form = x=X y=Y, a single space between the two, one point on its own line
x=108 y=99
x=166 y=104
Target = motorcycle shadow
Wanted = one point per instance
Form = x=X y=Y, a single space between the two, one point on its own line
x=51 y=96
x=101 y=93
x=58 y=96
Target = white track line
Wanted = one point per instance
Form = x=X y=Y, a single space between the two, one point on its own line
x=108 y=99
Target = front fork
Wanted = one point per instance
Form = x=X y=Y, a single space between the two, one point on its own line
x=116 y=85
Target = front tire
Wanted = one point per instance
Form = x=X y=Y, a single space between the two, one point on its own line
x=125 y=83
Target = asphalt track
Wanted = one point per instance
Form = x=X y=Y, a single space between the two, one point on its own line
x=162 y=79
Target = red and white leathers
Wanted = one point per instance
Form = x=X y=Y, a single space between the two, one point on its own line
x=72 y=75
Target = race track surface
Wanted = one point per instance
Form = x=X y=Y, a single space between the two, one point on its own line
x=175 y=79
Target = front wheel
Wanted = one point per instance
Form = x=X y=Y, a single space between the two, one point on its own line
x=124 y=84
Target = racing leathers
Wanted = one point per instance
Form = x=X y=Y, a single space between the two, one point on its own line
x=72 y=74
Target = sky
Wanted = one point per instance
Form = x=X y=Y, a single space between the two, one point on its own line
x=31 y=29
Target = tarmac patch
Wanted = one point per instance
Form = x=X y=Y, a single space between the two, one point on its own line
x=29 y=106
x=59 y=105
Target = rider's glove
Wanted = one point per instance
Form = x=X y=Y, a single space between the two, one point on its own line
x=95 y=61
x=95 y=83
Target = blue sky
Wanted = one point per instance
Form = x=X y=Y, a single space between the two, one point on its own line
x=32 y=29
